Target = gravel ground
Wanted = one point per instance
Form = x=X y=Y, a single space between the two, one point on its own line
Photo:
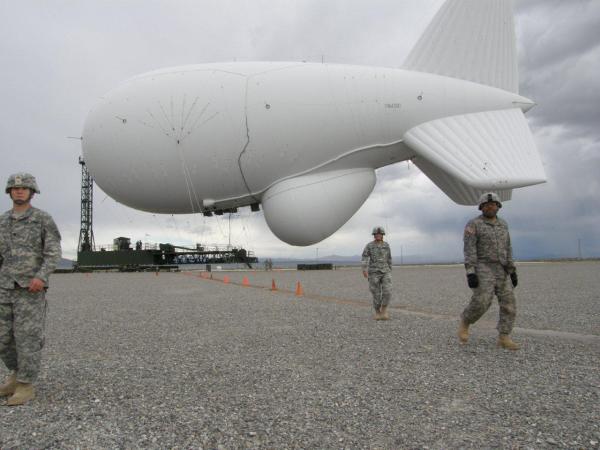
x=177 y=361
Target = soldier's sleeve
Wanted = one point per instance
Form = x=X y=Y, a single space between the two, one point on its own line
x=470 y=247
x=366 y=256
x=51 y=251
x=389 y=258
x=510 y=264
x=2 y=243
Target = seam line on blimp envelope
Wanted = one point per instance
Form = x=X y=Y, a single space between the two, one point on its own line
x=292 y=65
x=208 y=67
x=353 y=171
x=182 y=69
x=247 y=143
x=256 y=194
x=252 y=194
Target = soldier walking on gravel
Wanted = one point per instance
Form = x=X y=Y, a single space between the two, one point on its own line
x=377 y=268
x=489 y=264
x=29 y=253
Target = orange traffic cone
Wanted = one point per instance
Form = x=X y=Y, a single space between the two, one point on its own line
x=273 y=287
x=245 y=282
x=225 y=279
x=299 y=290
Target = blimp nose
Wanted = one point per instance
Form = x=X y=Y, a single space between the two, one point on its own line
x=136 y=164
x=166 y=141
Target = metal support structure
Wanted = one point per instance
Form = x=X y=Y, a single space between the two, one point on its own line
x=86 y=232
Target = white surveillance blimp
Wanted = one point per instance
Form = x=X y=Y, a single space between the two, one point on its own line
x=304 y=139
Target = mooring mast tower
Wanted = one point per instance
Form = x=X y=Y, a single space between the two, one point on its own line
x=86 y=232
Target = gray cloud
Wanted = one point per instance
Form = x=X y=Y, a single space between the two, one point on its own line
x=560 y=59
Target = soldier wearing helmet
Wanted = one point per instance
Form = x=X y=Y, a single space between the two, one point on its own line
x=377 y=268
x=489 y=264
x=23 y=180
x=489 y=197
x=29 y=253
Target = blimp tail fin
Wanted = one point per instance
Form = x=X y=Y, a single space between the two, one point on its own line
x=461 y=193
x=472 y=40
x=469 y=154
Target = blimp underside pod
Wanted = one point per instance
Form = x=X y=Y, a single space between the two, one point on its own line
x=299 y=129
x=307 y=209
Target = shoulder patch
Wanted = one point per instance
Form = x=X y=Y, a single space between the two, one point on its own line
x=469 y=230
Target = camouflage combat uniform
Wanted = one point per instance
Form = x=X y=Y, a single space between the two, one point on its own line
x=29 y=248
x=377 y=261
x=488 y=253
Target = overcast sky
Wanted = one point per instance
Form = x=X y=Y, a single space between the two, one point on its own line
x=59 y=57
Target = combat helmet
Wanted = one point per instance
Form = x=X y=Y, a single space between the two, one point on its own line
x=378 y=230
x=489 y=197
x=22 y=179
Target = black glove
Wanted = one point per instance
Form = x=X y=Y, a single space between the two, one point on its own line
x=472 y=280
x=514 y=279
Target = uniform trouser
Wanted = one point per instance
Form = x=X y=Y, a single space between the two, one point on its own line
x=22 y=326
x=380 y=285
x=493 y=280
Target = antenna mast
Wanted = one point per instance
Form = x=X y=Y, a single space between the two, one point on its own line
x=86 y=233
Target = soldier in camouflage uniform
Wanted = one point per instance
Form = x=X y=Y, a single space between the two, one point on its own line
x=489 y=264
x=29 y=253
x=377 y=267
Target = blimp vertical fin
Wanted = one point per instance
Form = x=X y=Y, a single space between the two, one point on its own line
x=472 y=40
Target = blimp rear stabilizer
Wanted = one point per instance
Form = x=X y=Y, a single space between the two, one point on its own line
x=468 y=154
x=304 y=140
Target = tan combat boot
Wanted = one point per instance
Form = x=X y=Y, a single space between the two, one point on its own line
x=23 y=393
x=377 y=315
x=9 y=385
x=463 y=332
x=506 y=342
x=384 y=313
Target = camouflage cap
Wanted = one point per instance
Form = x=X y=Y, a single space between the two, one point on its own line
x=22 y=179
x=489 y=197
x=378 y=230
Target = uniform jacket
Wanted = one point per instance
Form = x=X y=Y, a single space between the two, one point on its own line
x=29 y=248
x=377 y=257
x=487 y=241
